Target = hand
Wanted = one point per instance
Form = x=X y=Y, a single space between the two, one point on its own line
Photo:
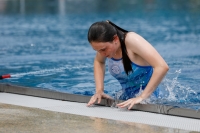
x=130 y=102
x=98 y=96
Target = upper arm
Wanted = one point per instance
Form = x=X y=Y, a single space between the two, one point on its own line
x=100 y=58
x=144 y=49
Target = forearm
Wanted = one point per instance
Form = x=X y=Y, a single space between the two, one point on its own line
x=99 y=72
x=156 y=78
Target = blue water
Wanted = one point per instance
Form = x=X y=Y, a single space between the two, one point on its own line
x=43 y=44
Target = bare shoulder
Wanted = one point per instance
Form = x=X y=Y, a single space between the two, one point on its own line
x=132 y=37
x=134 y=42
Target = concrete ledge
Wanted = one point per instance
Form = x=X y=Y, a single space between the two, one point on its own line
x=161 y=109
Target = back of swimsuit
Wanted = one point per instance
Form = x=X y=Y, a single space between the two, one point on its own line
x=131 y=84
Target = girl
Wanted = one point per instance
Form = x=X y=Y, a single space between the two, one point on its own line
x=131 y=60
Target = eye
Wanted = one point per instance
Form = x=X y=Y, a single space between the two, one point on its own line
x=103 y=49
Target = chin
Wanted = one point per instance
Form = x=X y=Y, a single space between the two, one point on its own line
x=108 y=57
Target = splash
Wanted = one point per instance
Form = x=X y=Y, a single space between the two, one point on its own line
x=170 y=85
x=49 y=71
x=171 y=92
x=117 y=94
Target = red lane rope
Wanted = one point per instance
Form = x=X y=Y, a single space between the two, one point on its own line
x=5 y=76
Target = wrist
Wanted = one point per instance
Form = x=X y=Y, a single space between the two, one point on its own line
x=143 y=97
x=99 y=91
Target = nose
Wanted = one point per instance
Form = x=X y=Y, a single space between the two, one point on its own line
x=103 y=53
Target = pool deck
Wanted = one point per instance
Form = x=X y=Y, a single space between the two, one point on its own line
x=20 y=113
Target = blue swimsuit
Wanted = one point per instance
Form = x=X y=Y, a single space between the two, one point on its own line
x=131 y=84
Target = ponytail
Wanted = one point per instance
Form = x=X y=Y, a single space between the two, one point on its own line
x=121 y=33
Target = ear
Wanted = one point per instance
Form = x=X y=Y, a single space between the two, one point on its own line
x=115 y=38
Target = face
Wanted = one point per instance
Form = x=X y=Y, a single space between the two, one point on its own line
x=106 y=49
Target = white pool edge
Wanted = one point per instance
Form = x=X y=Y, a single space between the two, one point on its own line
x=101 y=112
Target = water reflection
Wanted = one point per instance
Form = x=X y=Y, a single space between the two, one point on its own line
x=40 y=37
x=87 y=6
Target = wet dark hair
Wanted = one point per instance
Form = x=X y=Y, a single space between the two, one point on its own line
x=104 y=31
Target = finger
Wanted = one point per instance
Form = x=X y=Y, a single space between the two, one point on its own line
x=126 y=104
x=107 y=96
x=120 y=104
x=92 y=100
x=131 y=105
x=99 y=99
x=89 y=103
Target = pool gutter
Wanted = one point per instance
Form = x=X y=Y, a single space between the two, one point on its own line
x=37 y=92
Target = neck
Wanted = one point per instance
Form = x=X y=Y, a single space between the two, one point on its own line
x=118 y=53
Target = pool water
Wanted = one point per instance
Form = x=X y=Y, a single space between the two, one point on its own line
x=43 y=44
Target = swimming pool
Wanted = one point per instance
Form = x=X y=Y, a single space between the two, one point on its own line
x=44 y=44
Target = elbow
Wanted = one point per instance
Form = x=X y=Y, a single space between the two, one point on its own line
x=166 y=68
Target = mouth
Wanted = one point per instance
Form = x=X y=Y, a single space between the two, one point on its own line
x=108 y=56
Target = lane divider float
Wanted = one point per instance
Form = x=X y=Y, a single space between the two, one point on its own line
x=5 y=76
